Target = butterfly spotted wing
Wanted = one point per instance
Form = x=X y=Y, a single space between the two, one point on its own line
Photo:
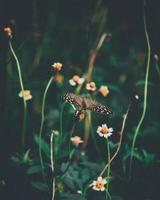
x=75 y=100
x=84 y=103
x=99 y=108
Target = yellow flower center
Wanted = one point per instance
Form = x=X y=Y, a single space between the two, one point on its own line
x=104 y=130
x=59 y=78
x=99 y=184
x=26 y=93
x=92 y=84
x=75 y=78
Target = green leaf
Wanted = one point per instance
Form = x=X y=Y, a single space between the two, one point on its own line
x=92 y=166
x=69 y=181
x=44 y=146
x=142 y=82
x=34 y=169
x=39 y=185
x=26 y=155
x=70 y=196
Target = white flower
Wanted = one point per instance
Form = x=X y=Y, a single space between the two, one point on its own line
x=104 y=90
x=76 y=80
x=91 y=86
x=76 y=140
x=104 y=131
x=57 y=66
x=26 y=94
x=99 y=184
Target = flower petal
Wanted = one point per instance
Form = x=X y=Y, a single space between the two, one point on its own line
x=99 y=178
x=72 y=83
x=81 y=80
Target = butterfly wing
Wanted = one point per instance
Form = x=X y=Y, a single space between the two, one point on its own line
x=84 y=103
x=99 y=108
x=73 y=99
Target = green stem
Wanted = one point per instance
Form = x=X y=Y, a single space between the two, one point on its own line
x=120 y=141
x=145 y=95
x=108 y=196
x=22 y=90
x=109 y=165
x=42 y=123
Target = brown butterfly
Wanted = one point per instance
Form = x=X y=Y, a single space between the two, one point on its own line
x=82 y=103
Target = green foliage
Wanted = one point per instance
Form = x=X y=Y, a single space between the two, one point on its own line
x=73 y=34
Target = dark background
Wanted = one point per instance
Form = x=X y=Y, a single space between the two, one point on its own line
x=67 y=31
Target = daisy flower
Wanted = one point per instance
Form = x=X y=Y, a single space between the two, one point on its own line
x=57 y=66
x=91 y=86
x=104 y=131
x=76 y=80
x=26 y=94
x=104 y=90
x=76 y=140
x=99 y=184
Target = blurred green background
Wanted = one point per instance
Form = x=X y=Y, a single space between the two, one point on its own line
x=48 y=31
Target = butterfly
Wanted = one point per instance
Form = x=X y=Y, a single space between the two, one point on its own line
x=82 y=103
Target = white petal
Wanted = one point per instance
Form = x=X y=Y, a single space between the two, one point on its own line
x=102 y=188
x=95 y=188
x=81 y=80
x=99 y=129
x=110 y=129
x=104 y=181
x=104 y=126
x=20 y=94
x=94 y=183
x=106 y=135
x=73 y=83
x=100 y=134
x=28 y=97
x=88 y=87
x=99 y=178
x=109 y=134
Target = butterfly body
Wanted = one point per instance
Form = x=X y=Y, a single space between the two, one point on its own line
x=82 y=103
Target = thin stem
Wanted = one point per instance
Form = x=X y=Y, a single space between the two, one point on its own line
x=145 y=95
x=108 y=195
x=87 y=128
x=51 y=147
x=109 y=164
x=42 y=123
x=22 y=90
x=93 y=57
x=52 y=165
x=120 y=141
